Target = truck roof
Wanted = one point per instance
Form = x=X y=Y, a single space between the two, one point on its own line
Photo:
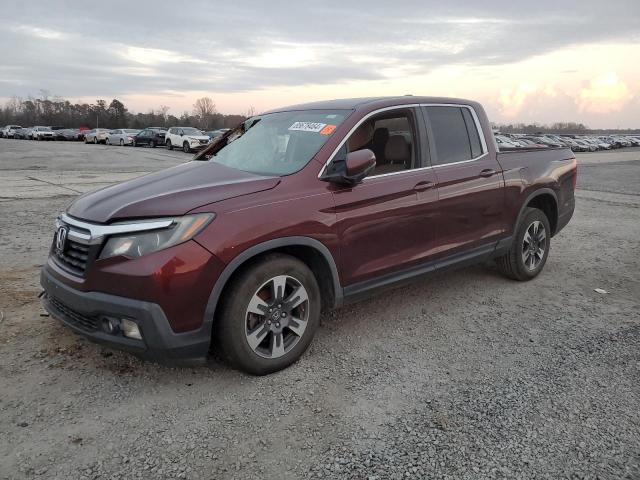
x=370 y=103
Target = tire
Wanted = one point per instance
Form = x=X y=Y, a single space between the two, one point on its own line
x=274 y=344
x=152 y=144
x=133 y=143
x=121 y=142
x=186 y=148
x=524 y=260
x=168 y=144
x=95 y=140
x=107 y=141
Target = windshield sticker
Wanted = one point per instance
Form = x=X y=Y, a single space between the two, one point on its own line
x=327 y=130
x=307 y=127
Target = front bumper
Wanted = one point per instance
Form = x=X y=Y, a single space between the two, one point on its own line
x=83 y=313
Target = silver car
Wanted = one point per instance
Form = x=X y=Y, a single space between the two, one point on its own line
x=97 y=135
x=121 y=136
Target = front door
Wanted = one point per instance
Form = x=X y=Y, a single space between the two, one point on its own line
x=386 y=222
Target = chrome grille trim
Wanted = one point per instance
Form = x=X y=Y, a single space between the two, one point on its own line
x=92 y=233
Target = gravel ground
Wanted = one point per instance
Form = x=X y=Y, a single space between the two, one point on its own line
x=462 y=375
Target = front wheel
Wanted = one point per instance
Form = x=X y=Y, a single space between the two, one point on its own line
x=169 y=146
x=121 y=142
x=269 y=316
x=530 y=248
x=185 y=147
x=152 y=144
x=95 y=140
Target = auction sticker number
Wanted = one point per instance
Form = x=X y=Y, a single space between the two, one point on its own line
x=307 y=127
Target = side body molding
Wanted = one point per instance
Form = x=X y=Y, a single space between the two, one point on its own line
x=265 y=247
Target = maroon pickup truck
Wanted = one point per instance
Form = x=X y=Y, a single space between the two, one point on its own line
x=298 y=210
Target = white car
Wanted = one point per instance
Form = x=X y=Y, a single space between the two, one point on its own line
x=97 y=135
x=9 y=131
x=121 y=136
x=42 y=133
x=187 y=138
x=505 y=142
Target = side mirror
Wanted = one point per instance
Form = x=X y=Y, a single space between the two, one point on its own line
x=351 y=169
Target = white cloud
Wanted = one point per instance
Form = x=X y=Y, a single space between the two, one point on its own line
x=605 y=94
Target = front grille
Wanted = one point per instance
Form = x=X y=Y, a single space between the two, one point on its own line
x=74 y=258
x=83 y=322
x=204 y=142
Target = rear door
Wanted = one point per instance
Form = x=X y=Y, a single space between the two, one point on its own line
x=471 y=213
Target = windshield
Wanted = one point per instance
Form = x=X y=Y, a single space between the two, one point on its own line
x=191 y=131
x=278 y=143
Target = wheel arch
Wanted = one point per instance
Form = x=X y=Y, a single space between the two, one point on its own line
x=309 y=250
x=544 y=199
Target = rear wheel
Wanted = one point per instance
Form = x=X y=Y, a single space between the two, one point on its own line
x=95 y=140
x=169 y=146
x=185 y=147
x=121 y=142
x=530 y=248
x=270 y=315
x=152 y=144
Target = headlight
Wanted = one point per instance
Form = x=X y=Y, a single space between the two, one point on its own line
x=138 y=244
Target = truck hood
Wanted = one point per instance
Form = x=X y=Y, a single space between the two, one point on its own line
x=171 y=192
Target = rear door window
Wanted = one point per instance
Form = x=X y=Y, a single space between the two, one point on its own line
x=455 y=135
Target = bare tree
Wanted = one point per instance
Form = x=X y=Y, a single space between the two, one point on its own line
x=204 y=109
x=251 y=111
x=163 y=111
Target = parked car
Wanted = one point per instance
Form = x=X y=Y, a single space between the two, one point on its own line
x=293 y=212
x=122 y=136
x=9 y=131
x=42 y=133
x=213 y=134
x=505 y=142
x=69 y=134
x=22 y=133
x=186 y=138
x=530 y=143
x=152 y=136
x=97 y=135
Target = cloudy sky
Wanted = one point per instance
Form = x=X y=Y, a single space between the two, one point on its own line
x=527 y=61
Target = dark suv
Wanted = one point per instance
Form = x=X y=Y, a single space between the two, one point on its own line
x=150 y=136
x=295 y=211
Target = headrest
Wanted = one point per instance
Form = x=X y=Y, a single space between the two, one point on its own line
x=397 y=149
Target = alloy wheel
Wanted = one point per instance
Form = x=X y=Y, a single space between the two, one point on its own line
x=534 y=245
x=277 y=316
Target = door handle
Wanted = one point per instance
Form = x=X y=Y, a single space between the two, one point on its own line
x=487 y=172
x=424 y=185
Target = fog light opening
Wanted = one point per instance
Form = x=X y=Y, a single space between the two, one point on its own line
x=111 y=325
x=130 y=329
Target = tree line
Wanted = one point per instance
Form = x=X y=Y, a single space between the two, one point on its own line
x=60 y=112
